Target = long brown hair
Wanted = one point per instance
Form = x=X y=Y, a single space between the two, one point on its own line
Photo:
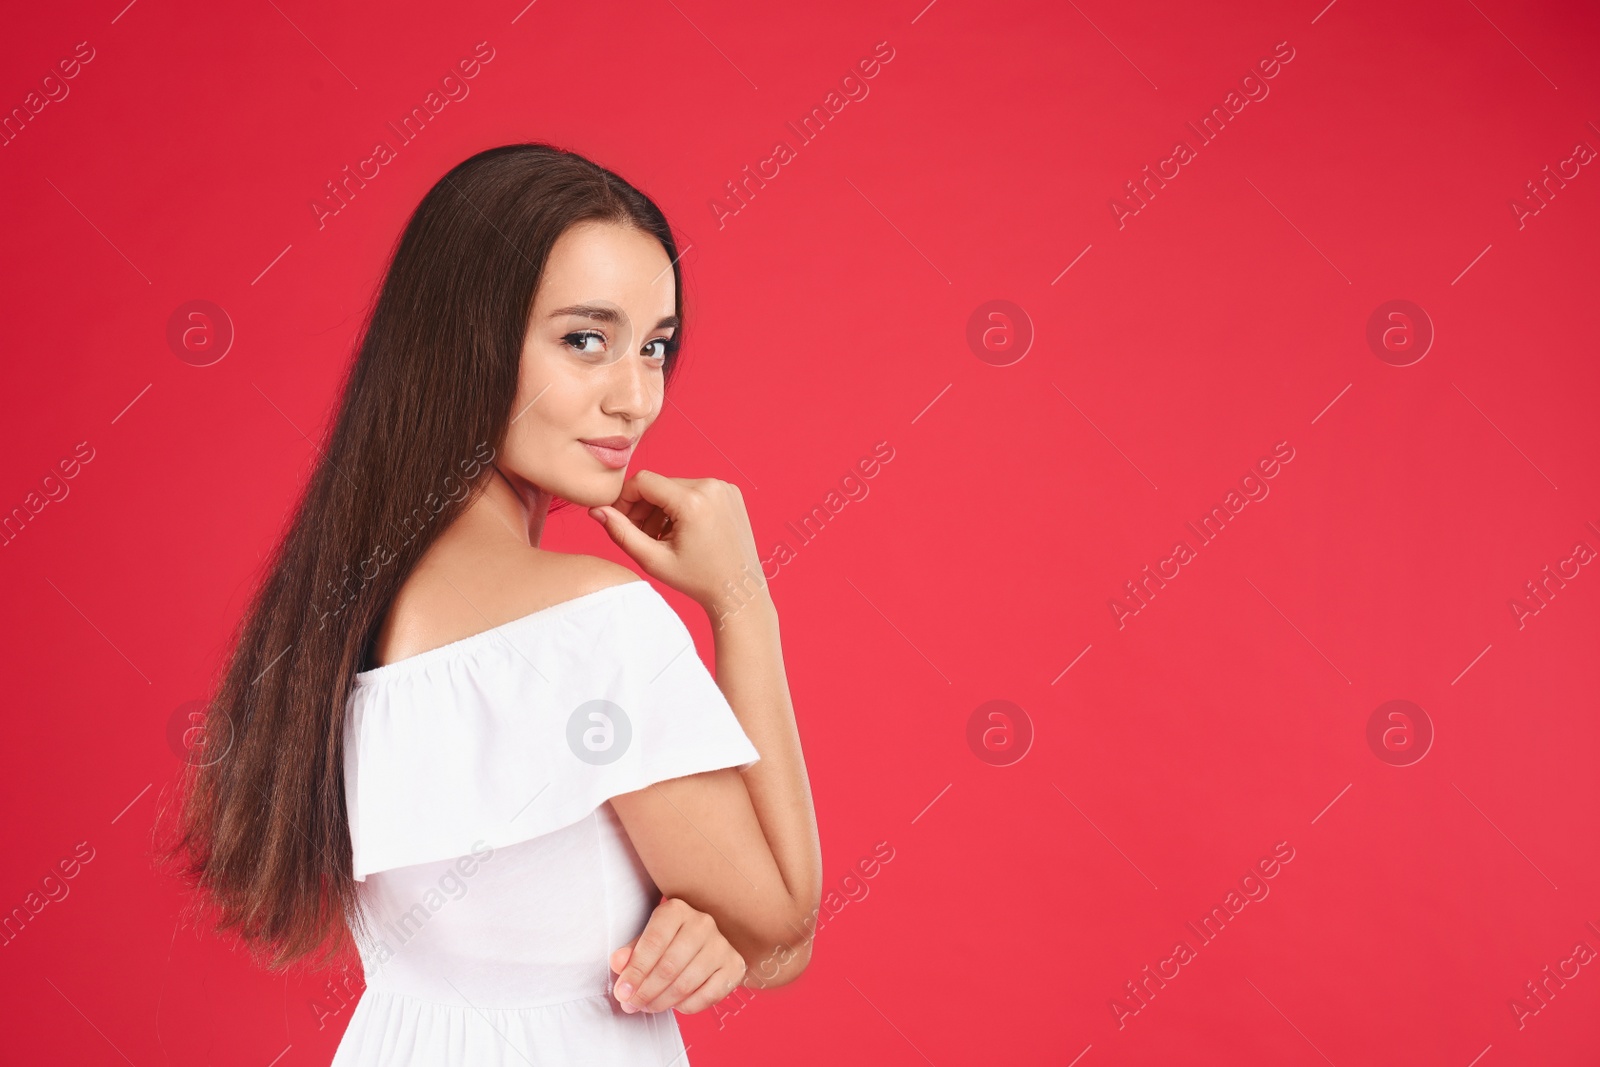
x=261 y=828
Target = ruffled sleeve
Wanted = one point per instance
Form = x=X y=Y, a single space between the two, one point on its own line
x=528 y=728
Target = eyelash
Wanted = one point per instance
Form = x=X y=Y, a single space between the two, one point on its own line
x=670 y=344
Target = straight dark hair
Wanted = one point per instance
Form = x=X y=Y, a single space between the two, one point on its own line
x=261 y=830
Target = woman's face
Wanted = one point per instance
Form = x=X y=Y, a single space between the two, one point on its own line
x=592 y=363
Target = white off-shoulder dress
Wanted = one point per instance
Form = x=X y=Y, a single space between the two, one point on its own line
x=496 y=879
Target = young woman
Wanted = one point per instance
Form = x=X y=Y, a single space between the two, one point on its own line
x=503 y=773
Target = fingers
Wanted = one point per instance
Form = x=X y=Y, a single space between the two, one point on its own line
x=694 y=955
x=648 y=948
x=647 y=502
x=722 y=982
x=685 y=961
x=628 y=537
x=648 y=508
x=645 y=515
x=657 y=524
x=640 y=512
x=632 y=504
x=655 y=489
x=700 y=967
x=692 y=533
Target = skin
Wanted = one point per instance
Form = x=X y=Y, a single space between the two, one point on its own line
x=726 y=898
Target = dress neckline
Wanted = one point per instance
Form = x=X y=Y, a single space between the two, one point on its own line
x=421 y=659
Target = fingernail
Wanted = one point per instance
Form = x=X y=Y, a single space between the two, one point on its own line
x=624 y=990
x=629 y=1008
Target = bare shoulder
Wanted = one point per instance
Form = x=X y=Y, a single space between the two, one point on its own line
x=573 y=574
x=462 y=588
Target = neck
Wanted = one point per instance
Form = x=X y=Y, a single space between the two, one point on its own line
x=518 y=505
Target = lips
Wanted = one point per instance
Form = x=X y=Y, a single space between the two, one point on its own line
x=612 y=451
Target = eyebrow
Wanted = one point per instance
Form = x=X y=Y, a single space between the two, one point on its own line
x=601 y=313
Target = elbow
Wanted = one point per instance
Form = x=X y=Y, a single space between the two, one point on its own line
x=783 y=951
x=776 y=947
x=779 y=965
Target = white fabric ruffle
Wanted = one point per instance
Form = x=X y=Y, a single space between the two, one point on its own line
x=495 y=879
x=474 y=741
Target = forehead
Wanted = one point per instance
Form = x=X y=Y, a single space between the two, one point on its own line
x=608 y=261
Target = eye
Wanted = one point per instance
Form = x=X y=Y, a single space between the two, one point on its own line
x=667 y=347
x=578 y=339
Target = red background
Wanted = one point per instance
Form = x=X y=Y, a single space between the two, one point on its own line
x=830 y=314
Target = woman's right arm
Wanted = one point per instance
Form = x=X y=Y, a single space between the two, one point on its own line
x=741 y=846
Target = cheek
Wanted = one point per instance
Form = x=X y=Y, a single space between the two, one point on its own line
x=547 y=418
x=535 y=450
x=550 y=388
x=535 y=370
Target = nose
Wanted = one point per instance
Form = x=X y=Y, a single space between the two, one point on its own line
x=630 y=389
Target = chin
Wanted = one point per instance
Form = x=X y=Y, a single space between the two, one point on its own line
x=594 y=492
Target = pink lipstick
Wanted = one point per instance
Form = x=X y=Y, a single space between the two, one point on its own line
x=614 y=451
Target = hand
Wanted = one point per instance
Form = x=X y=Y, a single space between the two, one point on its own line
x=680 y=960
x=691 y=533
